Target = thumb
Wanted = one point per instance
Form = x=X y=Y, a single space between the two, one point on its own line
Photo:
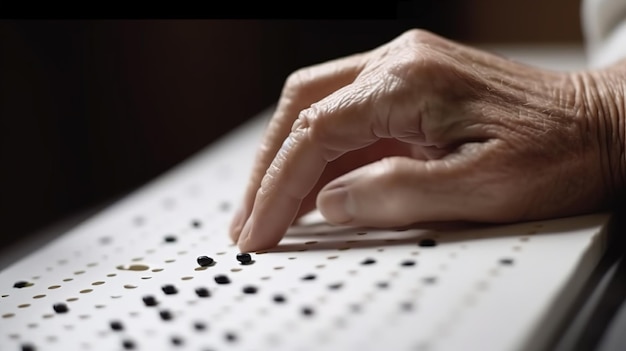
x=398 y=191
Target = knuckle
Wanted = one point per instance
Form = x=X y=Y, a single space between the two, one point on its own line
x=298 y=80
x=420 y=37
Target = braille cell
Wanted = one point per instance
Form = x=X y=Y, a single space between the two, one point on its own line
x=205 y=261
x=170 y=239
x=222 y=279
x=203 y=292
x=278 y=298
x=165 y=315
x=368 y=261
x=149 y=300
x=116 y=325
x=427 y=243
x=244 y=258
x=169 y=289
x=60 y=307
x=21 y=284
x=309 y=277
x=128 y=344
x=249 y=289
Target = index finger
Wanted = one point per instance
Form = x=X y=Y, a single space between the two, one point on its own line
x=342 y=122
x=302 y=88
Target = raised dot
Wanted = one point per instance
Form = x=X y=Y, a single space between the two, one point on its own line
x=92 y=264
x=407 y=263
x=427 y=242
x=196 y=223
x=222 y=279
x=382 y=285
x=149 y=300
x=249 y=289
x=110 y=275
x=86 y=291
x=307 y=311
x=28 y=347
x=8 y=315
x=278 y=298
x=368 y=261
x=79 y=272
x=165 y=315
x=100 y=306
x=52 y=287
x=506 y=261
x=169 y=289
x=129 y=286
x=116 y=325
x=230 y=337
x=176 y=340
x=3 y=296
x=60 y=307
x=156 y=270
x=22 y=284
x=430 y=280
x=39 y=296
x=244 y=258
x=32 y=325
x=199 y=326
x=68 y=279
x=235 y=270
x=186 y=278
x=204 y=261
x=309 y=277
x=146 y=277
x=332 y=257
x=170 y=239
x=97 y=283
x=200 y=269
x=71 y=299
x=171 y=260
x=335 y=286
x=128 y=344
x=292 y=258
x=203 y=292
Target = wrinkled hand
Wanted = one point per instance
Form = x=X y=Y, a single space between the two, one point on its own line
x=425 y=129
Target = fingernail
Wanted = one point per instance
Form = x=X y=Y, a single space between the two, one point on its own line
x=335 y=205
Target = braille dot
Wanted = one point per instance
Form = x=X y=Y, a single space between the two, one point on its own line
x=68 y=279
x=3 y=296
x=28 y=347
x=407 y=263
x=430 y=280
x=249 y=289
x=71 y=299
x=427 y=243
x=129 y=286
x=165 y=315
x=177 y=341
x=170 y=239
x=231 y=337
x=79 y=272
x=196 y=224
x=116 y=325
x=110 y=275
x=156 y=270
x=169 y=289
x=199 y=326
x=307 y=311
x=335 y=286
x=149 y=300
x=203 y=292
x=52 y=287
x=222 y=279
x=368 y=261
x=97 y=283
x=244 y=258
x=279 y=298
x=92 y=264
x=21 y=284
x=85 y=291
x=205 y=261
x=506 y=261
x=406 y=306
x=8 y=315
x=60 y=307
x=332 y=257
x=128 y=344
x=382 y=285
x=309 y=277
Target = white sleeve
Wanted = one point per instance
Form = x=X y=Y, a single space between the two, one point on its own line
x=604 y=28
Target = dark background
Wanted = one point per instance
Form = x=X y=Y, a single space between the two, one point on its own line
x=91 y=109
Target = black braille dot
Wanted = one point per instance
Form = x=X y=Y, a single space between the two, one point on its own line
x=199 y=326
x=60 y=307
x=222 y=279
x=177 y=341
x=128 y=344
x=116 y=325
x=279 y=298
x=307 y=311
x=244 y=258
x=407 y=263
x=28 y=347
x=430 y=280
x=203 y=292
x=382 y=285
x=230 y=337
x=149 y=300
x=309 y=277
x=196 y=223
x=368 y=261
x=165 y=315
x=506 y=261
x=427 y=243
x=249 y=289
x=204 y=261
x=335 y=286
x=170 y=239
x=20 y=284
x=169 y=289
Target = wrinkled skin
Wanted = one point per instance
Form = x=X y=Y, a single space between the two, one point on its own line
x=423 y=129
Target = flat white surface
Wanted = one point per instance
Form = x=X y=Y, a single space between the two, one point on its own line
x=458 y=295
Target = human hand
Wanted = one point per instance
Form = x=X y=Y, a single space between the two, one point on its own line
x=425 y=129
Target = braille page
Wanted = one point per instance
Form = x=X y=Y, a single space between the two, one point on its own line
x=157 y=271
